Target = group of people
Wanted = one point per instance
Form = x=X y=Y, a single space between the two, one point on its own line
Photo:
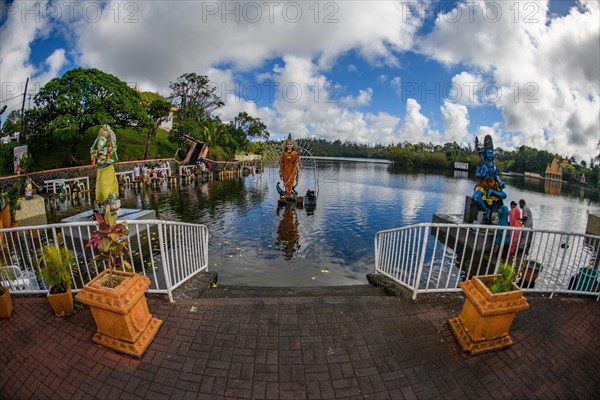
x=150 y=173
x=517 y=217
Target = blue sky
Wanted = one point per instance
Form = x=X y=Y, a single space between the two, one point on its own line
x=525 y=72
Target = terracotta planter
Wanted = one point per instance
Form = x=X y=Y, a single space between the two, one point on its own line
x=122 y=318
x=61 y=303
x=486 y=318
x=6 y=306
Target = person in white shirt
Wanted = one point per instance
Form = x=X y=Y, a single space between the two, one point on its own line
x=527 y=221
x=526 y=216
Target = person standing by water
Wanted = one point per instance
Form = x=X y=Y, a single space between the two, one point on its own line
x=288 y=165
x=526 y=216
x=502 y=221
x=527 y=221
x=514 y=219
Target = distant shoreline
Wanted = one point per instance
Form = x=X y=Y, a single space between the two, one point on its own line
x=367 y=160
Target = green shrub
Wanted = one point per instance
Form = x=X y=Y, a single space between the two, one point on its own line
x=56 y=270
x=504 y=281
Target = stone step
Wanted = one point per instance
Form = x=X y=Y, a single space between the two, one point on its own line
x=228 y=291
x=206 y=285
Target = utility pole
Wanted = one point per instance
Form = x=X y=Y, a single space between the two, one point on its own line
x=23 y=109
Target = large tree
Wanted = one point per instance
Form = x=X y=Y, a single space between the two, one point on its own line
x=194 y=96
x=12 y=123
x=82 y=98
x=252 y=127
x=158 y=109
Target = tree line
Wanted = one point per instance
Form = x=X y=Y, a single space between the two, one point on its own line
x=67 y=111
x=520 y=160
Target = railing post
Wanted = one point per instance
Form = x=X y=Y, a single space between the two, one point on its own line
x=204 y=231
x=562 y=264
x=421 y=262
x=376 y=252
x=165 y=261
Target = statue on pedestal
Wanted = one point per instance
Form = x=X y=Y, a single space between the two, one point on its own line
x=289 y=163
x=28 y=189
x=489 y=187
x=103 y=154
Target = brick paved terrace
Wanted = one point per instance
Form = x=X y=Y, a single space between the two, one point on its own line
x=336 y=346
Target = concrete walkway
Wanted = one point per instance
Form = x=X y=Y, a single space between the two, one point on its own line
x=308 y=347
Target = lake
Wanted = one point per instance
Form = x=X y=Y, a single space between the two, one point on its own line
x=253 y=241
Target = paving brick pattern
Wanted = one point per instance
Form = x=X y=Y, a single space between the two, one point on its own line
x=322 y=347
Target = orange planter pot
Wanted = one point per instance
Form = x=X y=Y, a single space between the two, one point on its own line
x=61 y=303
x=486 y=318
x=6 y=306
x=122 y=318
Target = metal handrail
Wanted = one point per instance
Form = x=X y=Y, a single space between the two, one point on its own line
x=167 y=252
x=434 y=257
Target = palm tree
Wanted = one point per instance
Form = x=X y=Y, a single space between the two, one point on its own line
x=215 y=136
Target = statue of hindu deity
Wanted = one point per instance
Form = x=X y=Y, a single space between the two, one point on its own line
x=489 y=187
x=28 y=188
x=104 y=154
x=289 y=163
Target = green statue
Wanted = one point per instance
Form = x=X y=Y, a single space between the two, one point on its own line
x=103 y=154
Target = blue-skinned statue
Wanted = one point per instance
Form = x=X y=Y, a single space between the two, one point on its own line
x=489 y=187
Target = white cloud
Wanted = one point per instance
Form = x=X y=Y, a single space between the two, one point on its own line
x=415 y=127
x=466 y=89
x=227 y=89
x=16 y=35
x=55 y=62
x=201 y=35
x=546 y=70
x=396 y=84
x=305 y=111
x=363 y=98
x=456 y=121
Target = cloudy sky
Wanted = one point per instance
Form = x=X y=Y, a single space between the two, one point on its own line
x=526 y=72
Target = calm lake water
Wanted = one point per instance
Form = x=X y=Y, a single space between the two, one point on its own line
x=253 y=241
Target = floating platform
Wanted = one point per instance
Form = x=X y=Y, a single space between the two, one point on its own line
x=298 y=200
x=123 y=214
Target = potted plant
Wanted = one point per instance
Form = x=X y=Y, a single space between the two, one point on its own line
x=6 y=306
x=116 y=297
x=12 y=197
x=491 y=304
x=56 y=272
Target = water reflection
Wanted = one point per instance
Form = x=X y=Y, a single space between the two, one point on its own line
x=552 y=187
x=287 y=231
x=253 y=242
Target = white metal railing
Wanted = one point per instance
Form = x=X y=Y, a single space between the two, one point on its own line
x=186 y=170
x=169 y=253
x=437 y=257
x=79 y=184
x=125 y=177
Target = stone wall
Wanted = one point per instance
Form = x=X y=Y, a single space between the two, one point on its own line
x=77 y=172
